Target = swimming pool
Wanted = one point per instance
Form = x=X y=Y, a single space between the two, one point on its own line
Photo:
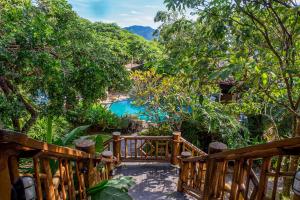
x=126 y=107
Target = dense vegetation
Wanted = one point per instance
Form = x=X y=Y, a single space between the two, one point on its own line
x=248 y=50
x=54 y=62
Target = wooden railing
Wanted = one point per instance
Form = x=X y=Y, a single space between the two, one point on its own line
x=152 y=148
x=189 y=147
x=141 y=148
x=50 y=182
x=255 y=172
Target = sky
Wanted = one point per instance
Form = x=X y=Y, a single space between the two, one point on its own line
x=123 y=12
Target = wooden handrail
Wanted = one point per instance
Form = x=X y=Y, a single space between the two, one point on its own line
x=241 y=161
x=26 y=143
x=195 y=159
x=146 y=137
x=239 y=164
x=71 y=163
x=281 y=147
x=187 y=146
x=203 y=175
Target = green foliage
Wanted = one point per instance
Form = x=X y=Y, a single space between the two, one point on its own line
x=51 y=60
x=111 y=193
x=162 y=129
x=254 y=43
x=71 y=136
x=184 y=102
x=96 y=115
x=99 y=143
x=114 y=189
x=39 y=130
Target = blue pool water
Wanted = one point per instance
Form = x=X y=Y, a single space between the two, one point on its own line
x=126 y=107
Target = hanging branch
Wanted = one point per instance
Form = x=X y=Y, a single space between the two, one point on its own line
x=8 y=89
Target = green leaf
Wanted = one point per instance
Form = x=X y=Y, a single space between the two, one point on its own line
x=225 y=73
x=111 y=193
x=123 y=183
x=213 y=75
x=97 y=188
x=264 y=78
x=99 y=144
x=74 y=133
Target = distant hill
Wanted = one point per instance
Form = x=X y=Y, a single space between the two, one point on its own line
x=144 y=31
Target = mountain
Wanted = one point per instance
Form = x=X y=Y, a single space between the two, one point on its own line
x=144 y=31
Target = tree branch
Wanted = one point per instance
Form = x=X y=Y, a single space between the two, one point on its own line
x=33 y=113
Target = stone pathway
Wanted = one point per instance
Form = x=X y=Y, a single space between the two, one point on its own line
x=154 y=181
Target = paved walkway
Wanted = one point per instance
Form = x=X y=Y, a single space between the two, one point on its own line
x=154 y=181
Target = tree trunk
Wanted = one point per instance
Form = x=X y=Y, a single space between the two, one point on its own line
x=293 y=164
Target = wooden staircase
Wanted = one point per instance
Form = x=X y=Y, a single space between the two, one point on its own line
x=248 y=173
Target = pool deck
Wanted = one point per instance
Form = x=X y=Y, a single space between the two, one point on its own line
x=153 y=181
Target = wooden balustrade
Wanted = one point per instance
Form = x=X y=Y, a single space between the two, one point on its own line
x=81 y=165
x=146 y=148
x=187 y=146
x=254 y=172
x=55 y=168
x=152 y=148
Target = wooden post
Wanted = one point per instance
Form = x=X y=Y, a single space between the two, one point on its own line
x=36 y=164
x=117 y=146
x=88 y=146
x=14 y=168
x=215 y=172
x=183 y=171
x=109 y=159
x=176 y=148
x=50 y=193
x=5 y=186
x=263 y=178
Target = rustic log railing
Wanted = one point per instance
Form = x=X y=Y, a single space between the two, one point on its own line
x=248 y=173
x=254 y=172
x=152 y=148
x=58 y=184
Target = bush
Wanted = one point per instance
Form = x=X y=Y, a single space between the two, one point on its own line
x=194 y=132
x=96 y=115
x=161 y=130
x=39 y=131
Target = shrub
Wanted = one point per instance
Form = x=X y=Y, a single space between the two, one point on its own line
x=60 y=127
x=163 y=129
x=96 y=115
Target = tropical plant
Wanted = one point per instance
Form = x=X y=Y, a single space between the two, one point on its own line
x=98 y=116
x=115 y=189
x=182 y=100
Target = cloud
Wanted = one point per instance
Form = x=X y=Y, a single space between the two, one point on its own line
x=124 y=15
x=134 y=12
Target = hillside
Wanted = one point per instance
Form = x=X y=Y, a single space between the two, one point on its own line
x=144 y=31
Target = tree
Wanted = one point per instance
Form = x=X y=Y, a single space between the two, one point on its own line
x=258 y=39
x=52 y=60
x=254 y=42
